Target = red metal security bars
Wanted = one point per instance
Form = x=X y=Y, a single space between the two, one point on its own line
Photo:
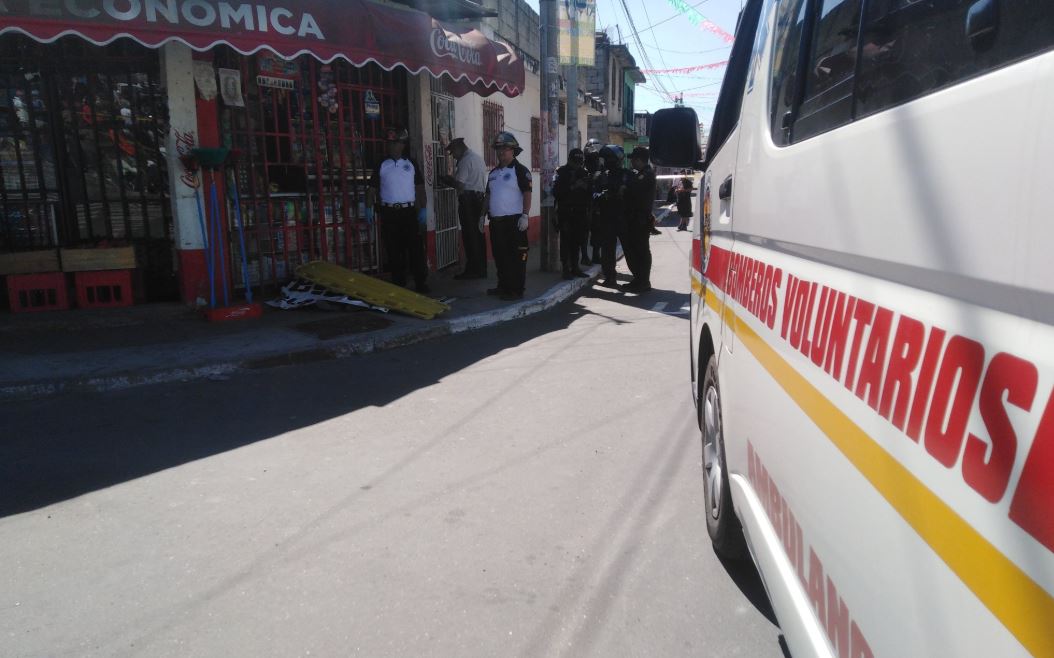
x=304 y=158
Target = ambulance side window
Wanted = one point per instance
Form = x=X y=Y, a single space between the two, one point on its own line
x=827 y=100
x=786 y=49
x=911 y=48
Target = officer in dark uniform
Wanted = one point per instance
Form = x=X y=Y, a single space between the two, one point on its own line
x=637 y=227
x=398 y=189
x=610 y=193
x=595 y=169
x=573 y=191
x=508 y=202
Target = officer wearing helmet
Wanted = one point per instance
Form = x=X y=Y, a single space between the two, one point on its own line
x=610 y=195
x=507 y=201
x=397 y=189
x=573 y=191
x=637 y=227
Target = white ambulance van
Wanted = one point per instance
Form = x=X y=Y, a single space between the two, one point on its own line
x=873 y=320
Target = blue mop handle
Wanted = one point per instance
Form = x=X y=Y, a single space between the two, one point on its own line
x=241 y=236
x=219 y=237
x=205 y=242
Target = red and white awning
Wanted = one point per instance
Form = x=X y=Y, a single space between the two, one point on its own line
x=359 y=31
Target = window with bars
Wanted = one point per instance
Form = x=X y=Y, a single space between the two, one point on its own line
x=493 y=123
x=536 y=143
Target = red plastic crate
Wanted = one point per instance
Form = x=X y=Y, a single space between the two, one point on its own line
x=103 y=288
x=37 y=292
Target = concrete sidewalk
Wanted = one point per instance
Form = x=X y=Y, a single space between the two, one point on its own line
x=105 y=349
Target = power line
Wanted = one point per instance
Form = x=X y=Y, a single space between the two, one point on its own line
x=640 y=46
x=667 y=20
x=654 y=38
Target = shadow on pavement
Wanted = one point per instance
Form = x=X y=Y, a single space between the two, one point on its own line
x=673 y=303
x=54 y=449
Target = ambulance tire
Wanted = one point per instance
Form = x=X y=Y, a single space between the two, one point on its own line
x=726 y=534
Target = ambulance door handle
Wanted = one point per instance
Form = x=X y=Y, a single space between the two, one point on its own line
x=725 y=191
x=982 y=23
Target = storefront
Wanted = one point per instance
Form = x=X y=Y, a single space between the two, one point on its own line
x=94 y=125
x=82 y=163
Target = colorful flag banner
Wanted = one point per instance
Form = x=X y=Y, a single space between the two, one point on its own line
x=577 y=23
x=702 y=22
x=684 y=70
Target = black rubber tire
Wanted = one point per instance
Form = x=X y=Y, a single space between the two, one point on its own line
x=726 y=533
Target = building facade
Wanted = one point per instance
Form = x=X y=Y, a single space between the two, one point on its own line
x=98 y=131
x=613 y=78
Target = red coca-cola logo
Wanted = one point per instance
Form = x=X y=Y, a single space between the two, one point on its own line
x=451 y=45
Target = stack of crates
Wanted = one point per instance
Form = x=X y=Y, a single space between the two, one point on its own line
x=102 y=278
x=34 y=281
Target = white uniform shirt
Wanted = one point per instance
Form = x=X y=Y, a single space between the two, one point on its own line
x=397 y=179
x=506 y=186
x=472 y=172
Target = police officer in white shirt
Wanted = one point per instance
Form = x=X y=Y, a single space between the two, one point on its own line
x=398 y=183
x=470 y=179
x=508 y=200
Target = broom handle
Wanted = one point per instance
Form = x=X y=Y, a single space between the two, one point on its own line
x=205 y=239
x=241 y=236
x=219 y=238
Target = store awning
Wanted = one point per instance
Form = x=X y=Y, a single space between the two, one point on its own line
x=359 y=31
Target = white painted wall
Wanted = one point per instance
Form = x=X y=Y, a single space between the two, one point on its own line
x=177 y=71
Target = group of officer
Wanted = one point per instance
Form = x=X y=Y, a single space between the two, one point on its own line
x=595 y=196
x=600 y=197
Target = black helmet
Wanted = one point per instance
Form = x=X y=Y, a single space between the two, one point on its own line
x=575 y=153
x=396 y=134
x=640 y=153
x=506 y=139
x=613 y=151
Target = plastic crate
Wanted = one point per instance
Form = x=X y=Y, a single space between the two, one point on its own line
x=104 y=288
x=37 y=292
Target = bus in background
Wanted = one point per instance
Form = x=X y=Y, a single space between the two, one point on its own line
x=872 y=320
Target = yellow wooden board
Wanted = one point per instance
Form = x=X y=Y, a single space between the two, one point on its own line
x=370 y=289
x=87 y=260
x=29 y=262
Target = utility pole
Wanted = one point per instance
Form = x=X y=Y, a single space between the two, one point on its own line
x=549 y=98
x=572 y=106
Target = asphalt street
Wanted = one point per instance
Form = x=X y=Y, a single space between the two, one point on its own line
x=532 y=489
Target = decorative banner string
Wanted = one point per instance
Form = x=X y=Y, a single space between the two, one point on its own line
x=702 y=22
x=684 y=70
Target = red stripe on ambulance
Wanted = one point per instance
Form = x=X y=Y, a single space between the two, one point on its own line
x=921 y=379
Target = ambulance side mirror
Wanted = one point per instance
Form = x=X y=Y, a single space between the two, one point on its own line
x=674 y=139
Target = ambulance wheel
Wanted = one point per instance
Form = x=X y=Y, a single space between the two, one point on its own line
x=724 y=529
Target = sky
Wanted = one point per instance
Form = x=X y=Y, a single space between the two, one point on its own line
x=670 y=40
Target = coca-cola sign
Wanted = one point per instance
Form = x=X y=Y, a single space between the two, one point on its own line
x=451 y=45
x=287 y=29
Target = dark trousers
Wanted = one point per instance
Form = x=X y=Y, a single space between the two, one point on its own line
x=636 y=247
x=509 y=246
x=404 y=244
x=469 y=210
x=608 y=235
x=596 y=229
x=574 y=227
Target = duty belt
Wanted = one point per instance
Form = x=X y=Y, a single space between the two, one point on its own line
x=397 y=205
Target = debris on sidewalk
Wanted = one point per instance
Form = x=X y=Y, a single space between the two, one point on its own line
x=300 y=293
